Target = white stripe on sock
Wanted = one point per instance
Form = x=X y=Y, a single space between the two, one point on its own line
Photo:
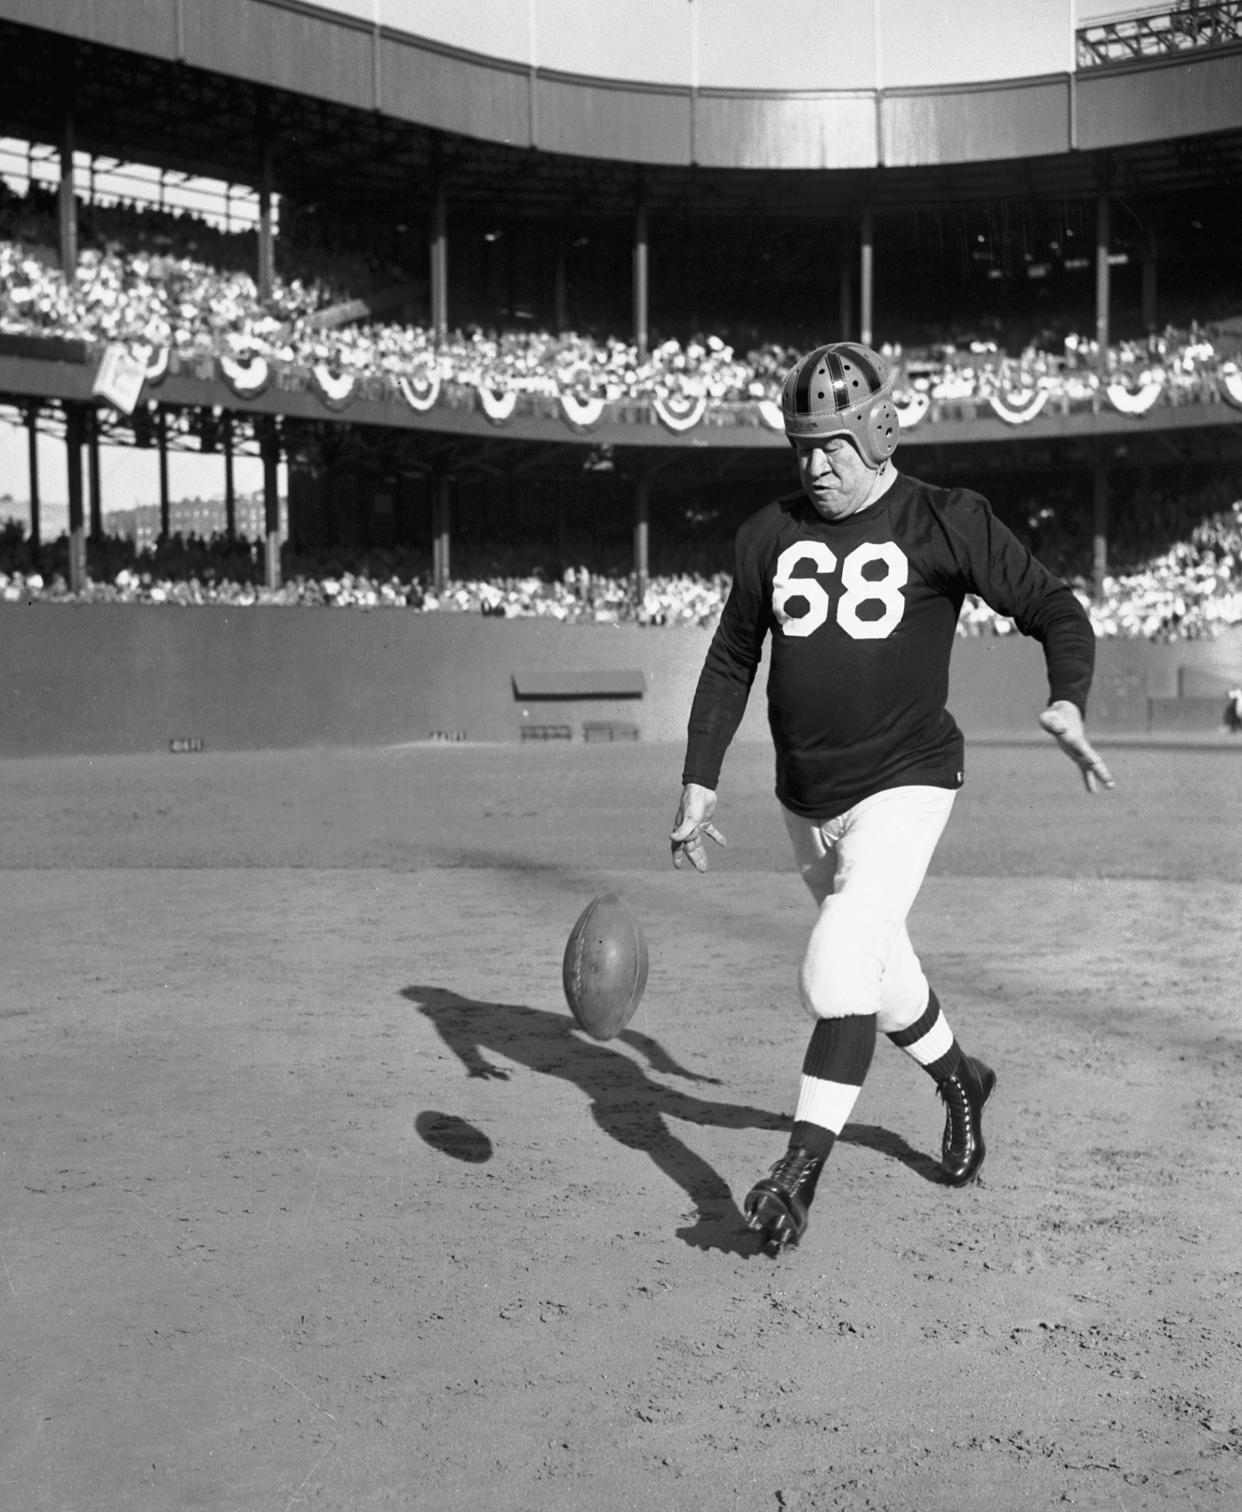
x=826 y=1103
x=936 y=1042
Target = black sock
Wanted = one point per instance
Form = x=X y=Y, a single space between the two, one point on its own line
x=833 y=1070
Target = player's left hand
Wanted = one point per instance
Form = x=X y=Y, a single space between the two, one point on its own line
x=1063 y=721
x=693 y=821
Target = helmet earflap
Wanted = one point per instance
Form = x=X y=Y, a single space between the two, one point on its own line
x=842 y=389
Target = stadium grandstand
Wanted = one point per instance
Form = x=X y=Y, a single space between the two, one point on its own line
x=498 y=303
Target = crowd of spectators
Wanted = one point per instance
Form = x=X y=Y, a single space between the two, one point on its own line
x=192 y=571
x=1186 y=364
x=166 y=301
x=163 y=280
x=1193 y=590
x=172 y=302
x=159 y=280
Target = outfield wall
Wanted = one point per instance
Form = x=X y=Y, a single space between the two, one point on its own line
x=97 y=678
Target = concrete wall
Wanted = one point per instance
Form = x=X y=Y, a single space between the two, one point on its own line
x=86 y=679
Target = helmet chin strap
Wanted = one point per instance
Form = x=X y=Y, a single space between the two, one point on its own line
x=885 y=476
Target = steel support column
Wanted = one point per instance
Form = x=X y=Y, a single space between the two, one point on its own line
x=642 y=300
x=642 y=538
x=438 y=250
x=441 y=529
x=1103 y=236
x=66 y=199
x=230 y=485
x=32 y=460
x=75 y=426
x=161 y=438
x=269 y=444
x=95 y=493
x=267 y=237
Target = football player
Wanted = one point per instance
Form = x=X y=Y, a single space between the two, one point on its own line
x=859 y=578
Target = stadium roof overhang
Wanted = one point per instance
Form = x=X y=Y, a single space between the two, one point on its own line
x=134 y=107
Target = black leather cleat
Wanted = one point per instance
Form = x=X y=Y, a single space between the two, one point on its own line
x=778 y=1205
x=965 y=1095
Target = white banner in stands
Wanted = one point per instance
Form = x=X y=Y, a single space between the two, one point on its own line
x=119 y=378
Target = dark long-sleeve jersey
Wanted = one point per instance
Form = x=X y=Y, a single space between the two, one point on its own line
x=863 y=613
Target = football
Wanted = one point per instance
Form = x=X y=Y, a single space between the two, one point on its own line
x=605 y=966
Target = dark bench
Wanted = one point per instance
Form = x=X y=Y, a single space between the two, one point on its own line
x=547 y=732
x=609 y=729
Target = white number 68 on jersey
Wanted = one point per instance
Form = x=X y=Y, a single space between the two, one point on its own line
x=856 y=590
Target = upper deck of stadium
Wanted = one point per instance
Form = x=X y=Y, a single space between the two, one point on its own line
x=710 y=163
x=723 y=102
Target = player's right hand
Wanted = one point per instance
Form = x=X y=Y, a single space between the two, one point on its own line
x=1063 y=722
x=693 y=821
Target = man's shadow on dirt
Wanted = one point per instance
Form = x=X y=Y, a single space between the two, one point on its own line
x=885 y=1142
x=624 y=1100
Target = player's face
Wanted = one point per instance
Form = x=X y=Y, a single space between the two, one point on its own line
x=834 y=476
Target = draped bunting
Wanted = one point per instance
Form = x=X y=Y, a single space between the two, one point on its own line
x=572 y=380
x=1018 y=408
x=497 y=407
x=421 y=391
x=335 y=389
x=1134 y=401
x=250 y=376
x=154 y=361
x=679 y=413
x=912 y=410
x=246 y=379
x=581 y=413
x=1231 y=383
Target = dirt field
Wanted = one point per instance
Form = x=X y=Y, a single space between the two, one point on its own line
x=313 y=1198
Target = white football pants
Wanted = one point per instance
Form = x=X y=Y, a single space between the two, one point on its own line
x=864 y=869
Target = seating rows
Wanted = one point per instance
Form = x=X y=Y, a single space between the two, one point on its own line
x=187 y=289
x=1192 y=590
